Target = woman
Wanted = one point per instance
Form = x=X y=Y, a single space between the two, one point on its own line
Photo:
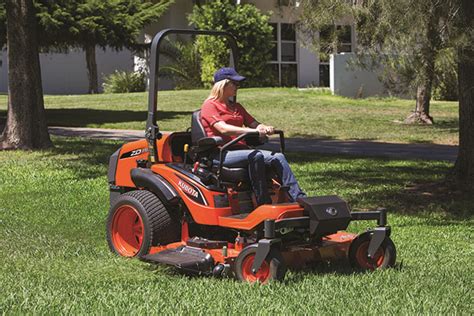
x=221 y=116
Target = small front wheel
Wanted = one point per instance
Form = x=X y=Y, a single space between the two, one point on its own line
x=384 y=257
x=272 y=268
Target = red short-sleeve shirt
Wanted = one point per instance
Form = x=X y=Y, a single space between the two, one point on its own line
x=213 y=111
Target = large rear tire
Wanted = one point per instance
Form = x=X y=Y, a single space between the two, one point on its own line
x=272 y=268
x=137 y=221
x=384 y=257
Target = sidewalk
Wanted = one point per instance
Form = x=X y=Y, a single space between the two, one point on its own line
x=349 y=147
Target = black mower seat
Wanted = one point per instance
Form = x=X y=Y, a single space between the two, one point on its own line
x=234 y=175
x=204 y=144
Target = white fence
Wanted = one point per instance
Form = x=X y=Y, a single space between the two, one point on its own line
x=350 y=81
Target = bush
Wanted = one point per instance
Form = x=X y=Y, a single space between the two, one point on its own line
x=183 y=66
x=247 y=24
x=124 y=82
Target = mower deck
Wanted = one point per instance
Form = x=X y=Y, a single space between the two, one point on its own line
x=185 y=258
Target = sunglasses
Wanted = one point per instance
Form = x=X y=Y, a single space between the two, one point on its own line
x=235 y=83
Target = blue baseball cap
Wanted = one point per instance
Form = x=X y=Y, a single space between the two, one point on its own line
x=227 y=73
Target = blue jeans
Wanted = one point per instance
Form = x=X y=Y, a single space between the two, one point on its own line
x=256 y=160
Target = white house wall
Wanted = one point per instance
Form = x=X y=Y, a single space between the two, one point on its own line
x=67 y=73
x=175 y=17
x=308 y=65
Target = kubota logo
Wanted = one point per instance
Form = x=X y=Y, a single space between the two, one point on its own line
x=188 y=189
x=331 y=211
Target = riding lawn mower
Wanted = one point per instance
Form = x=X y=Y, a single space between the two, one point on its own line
x=171 y=204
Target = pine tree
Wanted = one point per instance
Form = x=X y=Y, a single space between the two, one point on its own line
x=404 y=36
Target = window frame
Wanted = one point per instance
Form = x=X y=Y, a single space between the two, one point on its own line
x=279 y=43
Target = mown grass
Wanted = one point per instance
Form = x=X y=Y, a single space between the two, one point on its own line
x=302 y=113
x=54 y=258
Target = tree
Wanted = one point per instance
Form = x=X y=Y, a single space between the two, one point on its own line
x=464 y=167
x=247 y=24
x=404 y=36
x=90 y=23
x=26 y=123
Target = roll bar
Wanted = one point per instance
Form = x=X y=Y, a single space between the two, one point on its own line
x=152 y=132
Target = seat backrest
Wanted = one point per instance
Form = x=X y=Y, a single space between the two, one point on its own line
x=197 y=130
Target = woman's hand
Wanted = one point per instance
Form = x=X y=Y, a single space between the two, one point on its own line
x=266 y=129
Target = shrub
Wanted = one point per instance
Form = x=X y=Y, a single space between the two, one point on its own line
x=247 y=24
x=183 y=66
x=124 y=82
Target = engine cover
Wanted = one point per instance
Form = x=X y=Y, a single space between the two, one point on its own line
x=327 y=214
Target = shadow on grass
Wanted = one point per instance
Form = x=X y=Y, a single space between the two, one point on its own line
x=81 y=117
x=340 y=267
x=85 y=158
x=452 y=125
x=414 y=188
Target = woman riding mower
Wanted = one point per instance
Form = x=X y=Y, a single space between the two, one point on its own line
x=221 y=116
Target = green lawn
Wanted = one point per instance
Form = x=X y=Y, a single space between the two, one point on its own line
x=307 y=113
x=54 y=257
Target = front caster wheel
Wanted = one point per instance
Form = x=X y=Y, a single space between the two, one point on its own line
x=384 y=257
x=272 y=268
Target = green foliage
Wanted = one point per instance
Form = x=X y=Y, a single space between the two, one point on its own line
x=124 y=82
x=115 y=23
x=445 y=86
x=318 y=20
x=184 y=64
x=247 y=24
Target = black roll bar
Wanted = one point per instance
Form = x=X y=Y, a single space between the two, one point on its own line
x=152 y=132
x=282 y=140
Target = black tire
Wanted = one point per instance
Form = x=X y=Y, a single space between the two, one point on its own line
x=137 y=221
x=385 y=256
x=273 y=268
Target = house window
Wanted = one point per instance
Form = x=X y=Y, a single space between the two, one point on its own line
x=288 y=3
x=283 y=65
x=344 y=40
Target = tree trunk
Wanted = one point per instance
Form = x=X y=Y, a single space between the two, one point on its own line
x=427 y=72
x=422 y=108
x=423 y=94
x=464 y=167
x=26 y=126
x=91 y=68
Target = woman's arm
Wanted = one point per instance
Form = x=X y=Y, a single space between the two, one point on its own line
x=227 y=129
x=262 y=128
